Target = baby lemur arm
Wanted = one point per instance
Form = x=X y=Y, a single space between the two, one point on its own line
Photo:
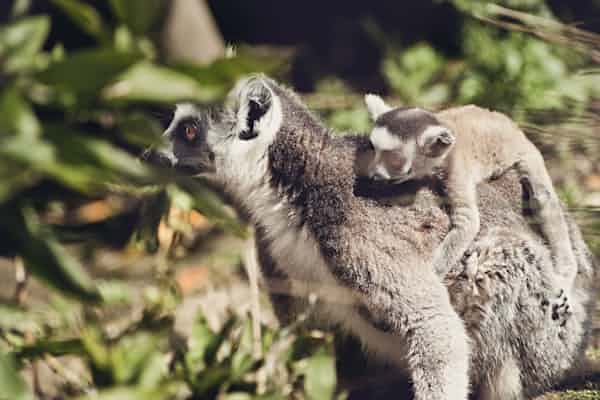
x=464 y=216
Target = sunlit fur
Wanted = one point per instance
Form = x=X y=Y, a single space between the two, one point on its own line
x=473 y=145
x=366 y=262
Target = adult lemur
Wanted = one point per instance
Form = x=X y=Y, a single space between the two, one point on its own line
x=411 y=143
x=365 y=261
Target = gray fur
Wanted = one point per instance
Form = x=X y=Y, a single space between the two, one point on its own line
x=405 y=122
x=470 y=145
x=367 y=262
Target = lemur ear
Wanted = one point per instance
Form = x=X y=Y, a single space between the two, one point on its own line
x=255 y=100
x=437 y=140
x=376 y=106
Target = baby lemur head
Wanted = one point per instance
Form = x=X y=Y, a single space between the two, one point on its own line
x=409 y=142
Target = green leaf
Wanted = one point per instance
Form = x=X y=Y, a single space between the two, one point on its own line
x=56 y=347
x=48 y=260
x=209 y=204
x=16 y=115
x=21 y=42
x=91 y=338
x=155 y=370
x=85 y=72
x=84 y=16
x=129 y=358
x=167 y=391
x=242 y=360
x=320 y=378
x=139 y=15
x=168 y=86
x=12 y=386
x=224 y=72
x=199 y=343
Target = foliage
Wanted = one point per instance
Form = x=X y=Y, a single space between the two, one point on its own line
x=72 y=124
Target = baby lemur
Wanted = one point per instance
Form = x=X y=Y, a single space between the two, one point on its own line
x=411 y=143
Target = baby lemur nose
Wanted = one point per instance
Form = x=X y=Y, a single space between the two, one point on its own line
x=378 y=177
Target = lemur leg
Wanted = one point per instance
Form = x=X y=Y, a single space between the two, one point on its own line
x=465 y=225
x=547 y=208
x=504 y=385
x=424 y=335
x=286 y=305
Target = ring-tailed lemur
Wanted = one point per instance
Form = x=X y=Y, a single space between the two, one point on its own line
x=412 y=143
x=364 y=259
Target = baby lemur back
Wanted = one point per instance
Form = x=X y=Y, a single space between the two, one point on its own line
x=468 y=145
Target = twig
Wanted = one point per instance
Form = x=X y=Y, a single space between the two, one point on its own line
x=251 y=265
x=21 y=278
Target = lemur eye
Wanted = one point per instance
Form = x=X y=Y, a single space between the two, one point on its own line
x=190 y=132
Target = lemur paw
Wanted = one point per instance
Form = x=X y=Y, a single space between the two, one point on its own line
x=538 y=195
x=560 y=310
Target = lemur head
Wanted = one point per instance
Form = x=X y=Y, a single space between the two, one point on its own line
x=409 y=142
x=187 y=135
x=234 y=142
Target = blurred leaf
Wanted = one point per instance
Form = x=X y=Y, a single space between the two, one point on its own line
x=320 y=378
x=15 y=318
x=83 y=15
x=223 y=73
x=140 y=129
x=85 y=72
x=210 y=205
x=411 y=71
x=201 y=340
x=242 y=359
x=153 y=207
x=87 y=163
x=155 y=371
x=168 y=86
x=56 y=347
x=49 y=261
x=20 y=43
x=129 y=357
x=139 y=15
x=16 y=115
x=12 y=386
x=20 y=7
x=167 y=391
x=353 y=120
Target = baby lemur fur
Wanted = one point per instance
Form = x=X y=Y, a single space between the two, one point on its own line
x=467 y=145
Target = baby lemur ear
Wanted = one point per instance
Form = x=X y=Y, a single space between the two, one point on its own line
x=437 y=140
x=376 y=106
x=254 y=103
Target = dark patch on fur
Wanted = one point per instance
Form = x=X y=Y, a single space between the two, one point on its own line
x=381 y=324
x=406 y=122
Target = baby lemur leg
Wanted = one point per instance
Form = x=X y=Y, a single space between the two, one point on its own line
x=547 y=209
x=464 y=217
x=505 y=384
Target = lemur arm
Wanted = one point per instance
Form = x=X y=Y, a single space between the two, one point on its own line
x=464 y=216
